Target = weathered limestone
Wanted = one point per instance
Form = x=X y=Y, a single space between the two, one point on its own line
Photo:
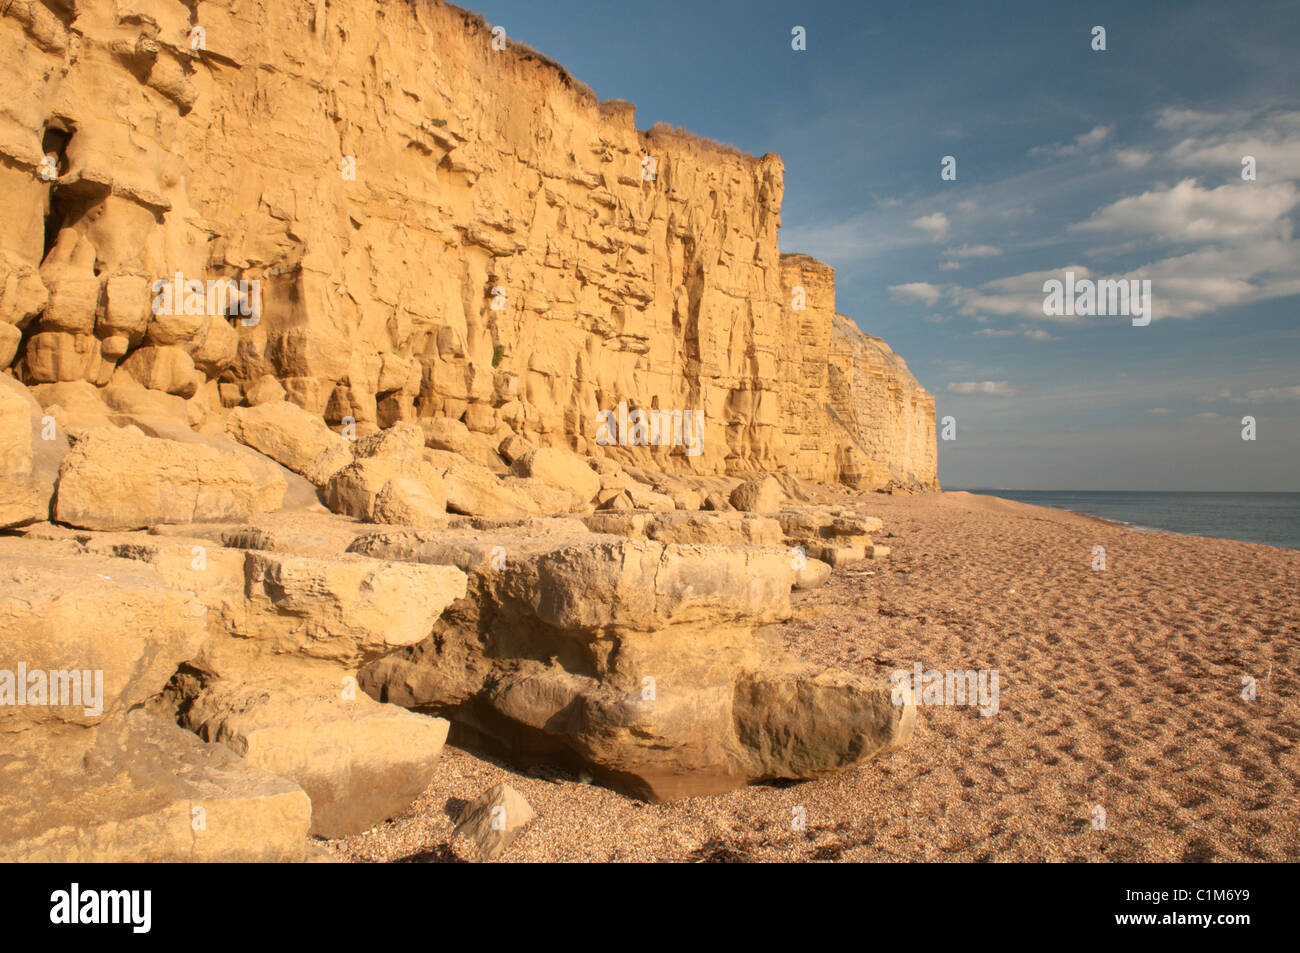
x=293 y=437
x=360 y=762
x=533 y=279
x=719 y=529
x=761 y=494
x=69 y=614
x=835 y=537
x=812 y=575
x=631 y=657
x=560 y=469
x=140 y=789
x=117 y=478
x=92 y=638
x=492 y=270
x=476 y=491
x=346 y=609
x=23 y=499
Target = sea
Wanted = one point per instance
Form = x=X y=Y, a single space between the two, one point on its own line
x=1269 y=518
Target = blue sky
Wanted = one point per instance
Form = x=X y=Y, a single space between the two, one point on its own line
x=1122 y=163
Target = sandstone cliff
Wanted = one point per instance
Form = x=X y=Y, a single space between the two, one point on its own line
x=436 y=227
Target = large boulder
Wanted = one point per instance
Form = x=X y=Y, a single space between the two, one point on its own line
x=118 y=479
x=292 y=437
x=559 y=468
x=360 y=762
x=140 y=789
x=365 y=490
x=99 y=634
x=22 y=499
x=714 y=529
x=477 y=491
x=631 y=658
x=346 y=608
x=760 y=494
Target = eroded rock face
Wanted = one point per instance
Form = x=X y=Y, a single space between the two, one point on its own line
x=631 y=657
x=550 y=261
x=360 y=762
x=425 y=339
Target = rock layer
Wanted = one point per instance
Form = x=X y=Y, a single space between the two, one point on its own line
x=515 y=256
x=632 y=658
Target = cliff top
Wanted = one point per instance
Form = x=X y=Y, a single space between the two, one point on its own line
x=610 y=108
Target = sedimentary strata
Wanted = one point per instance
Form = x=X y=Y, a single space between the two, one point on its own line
x=305 y=332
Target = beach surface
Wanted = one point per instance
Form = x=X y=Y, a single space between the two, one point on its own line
x=1122 y=730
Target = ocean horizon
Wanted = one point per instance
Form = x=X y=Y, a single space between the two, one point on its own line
x=1269 y=518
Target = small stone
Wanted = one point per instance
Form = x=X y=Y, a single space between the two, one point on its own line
x=494 y=820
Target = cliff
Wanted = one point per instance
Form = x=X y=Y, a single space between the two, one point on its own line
x=427 y=226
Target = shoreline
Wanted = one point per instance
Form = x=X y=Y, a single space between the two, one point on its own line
x=1123 y=524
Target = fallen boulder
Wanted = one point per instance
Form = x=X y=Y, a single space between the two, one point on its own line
x=118 y=479
x=360 y=762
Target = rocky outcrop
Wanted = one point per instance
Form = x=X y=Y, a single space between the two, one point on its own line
x=254 y=652
x=632 y=658
x=440 y=230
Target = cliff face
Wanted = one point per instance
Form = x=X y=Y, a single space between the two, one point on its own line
x=434 y=226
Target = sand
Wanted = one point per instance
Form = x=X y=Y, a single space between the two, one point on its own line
x=1120 y=691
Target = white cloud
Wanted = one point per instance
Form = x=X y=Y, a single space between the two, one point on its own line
x=1132 y=158
x=1038 y=334
x=950 y=266
x=1277 y=156
x=1270 y=394
x=994 y=333
x=984 y=388
x=974 y=251
x=1176 y=119
x=1274 y=393
x=921 y=291
x=1094 y=138
x=1082 y=143
x=936 y=225
x=1018 y=295
x=1189 y=213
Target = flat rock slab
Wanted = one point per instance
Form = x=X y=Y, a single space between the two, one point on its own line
x=359 y=761
x=144 y=790
x=64 y=614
